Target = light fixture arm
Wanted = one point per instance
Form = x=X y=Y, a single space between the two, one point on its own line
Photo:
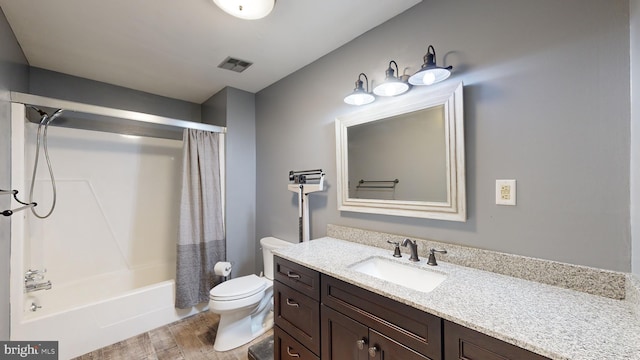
x=359 y=82
x=389 y=73
x=430 y=59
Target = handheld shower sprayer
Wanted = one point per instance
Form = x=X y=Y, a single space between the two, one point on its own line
x=42 y=137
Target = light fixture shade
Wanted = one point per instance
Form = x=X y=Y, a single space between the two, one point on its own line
x=246 y=9
x=429 y=76
x=359 y=96
x=392 y=85
x=430 y=73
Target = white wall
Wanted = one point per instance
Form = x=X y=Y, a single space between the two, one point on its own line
x=546 y=103
x=635 y=134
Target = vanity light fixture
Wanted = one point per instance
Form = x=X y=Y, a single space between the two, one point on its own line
x=392 y=85
x=360 y=96
x=430 y=73
x=246 y=9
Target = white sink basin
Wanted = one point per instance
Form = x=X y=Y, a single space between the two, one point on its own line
x=406 y=275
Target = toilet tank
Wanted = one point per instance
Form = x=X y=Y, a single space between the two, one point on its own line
x=268 y=244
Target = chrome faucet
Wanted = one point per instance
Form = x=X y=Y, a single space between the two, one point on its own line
x=37 y=286
x=413 y=247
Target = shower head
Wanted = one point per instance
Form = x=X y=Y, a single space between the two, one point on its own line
x=54 y=116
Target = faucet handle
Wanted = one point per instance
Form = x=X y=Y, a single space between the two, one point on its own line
x=432 y=256
x=32 y=275
x=396 y=251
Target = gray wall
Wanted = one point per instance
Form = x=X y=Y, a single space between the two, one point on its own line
x=66 y=87
x=236 y=109
x=14 y=75
x=635 y=136
x=547 y=102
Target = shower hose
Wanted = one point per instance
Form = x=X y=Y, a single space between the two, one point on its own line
x=42 y=137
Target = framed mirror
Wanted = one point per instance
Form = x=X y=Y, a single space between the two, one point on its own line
x=405 y=157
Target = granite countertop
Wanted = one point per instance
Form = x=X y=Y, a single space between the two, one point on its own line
x=551 y=321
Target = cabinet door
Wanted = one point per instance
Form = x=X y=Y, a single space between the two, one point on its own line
x=342 y=337
x=385 y=348
x=461 y=343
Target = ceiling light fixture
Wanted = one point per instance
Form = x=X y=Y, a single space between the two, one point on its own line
x=246 y=9
x=359 y=96
x=392 y=85
x=430 y=73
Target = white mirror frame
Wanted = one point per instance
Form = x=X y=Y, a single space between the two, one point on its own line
x=454 y=208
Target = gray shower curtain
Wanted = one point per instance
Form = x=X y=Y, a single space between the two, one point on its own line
x=201 y=238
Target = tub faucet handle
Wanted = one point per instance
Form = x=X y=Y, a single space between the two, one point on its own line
x=32 y=275
x=396 y=250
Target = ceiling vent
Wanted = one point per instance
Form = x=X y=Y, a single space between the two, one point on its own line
x=236 y=65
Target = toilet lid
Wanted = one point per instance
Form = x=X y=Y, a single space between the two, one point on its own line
x=238 y=288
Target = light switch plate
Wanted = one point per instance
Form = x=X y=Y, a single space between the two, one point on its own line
x=505 y=192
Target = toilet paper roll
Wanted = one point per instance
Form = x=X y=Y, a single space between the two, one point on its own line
x=222 y=268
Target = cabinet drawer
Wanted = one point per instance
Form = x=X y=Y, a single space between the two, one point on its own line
x=415 y=329
x=463 y=343
x=287 y=348
x=298 y=315
x=298 y=277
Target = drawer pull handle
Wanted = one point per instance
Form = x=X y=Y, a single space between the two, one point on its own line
x=292 y=303
x=292 y=275
x=290 y=353
x=372 y=351
x=361 y=343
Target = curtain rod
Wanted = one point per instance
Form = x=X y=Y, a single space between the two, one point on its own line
x=41 y=101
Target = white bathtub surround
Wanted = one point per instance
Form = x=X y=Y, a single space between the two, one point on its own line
x=109 y=247
x=552 y=321
x=575 y=277
x=201 y=240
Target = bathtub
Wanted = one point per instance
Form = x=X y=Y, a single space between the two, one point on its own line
x=109 y=247
x=82 y=318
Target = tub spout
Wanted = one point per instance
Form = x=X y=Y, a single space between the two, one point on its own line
x=38 y=286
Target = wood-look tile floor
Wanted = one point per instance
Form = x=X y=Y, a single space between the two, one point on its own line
x=188 y=339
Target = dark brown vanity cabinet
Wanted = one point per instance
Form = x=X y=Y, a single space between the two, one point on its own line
x=320 y=317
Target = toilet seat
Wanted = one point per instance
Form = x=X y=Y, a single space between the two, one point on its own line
x=238 y=288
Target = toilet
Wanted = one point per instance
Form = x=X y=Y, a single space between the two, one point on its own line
x=245 y=304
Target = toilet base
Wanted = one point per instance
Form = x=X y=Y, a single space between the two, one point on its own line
x=237 y=328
